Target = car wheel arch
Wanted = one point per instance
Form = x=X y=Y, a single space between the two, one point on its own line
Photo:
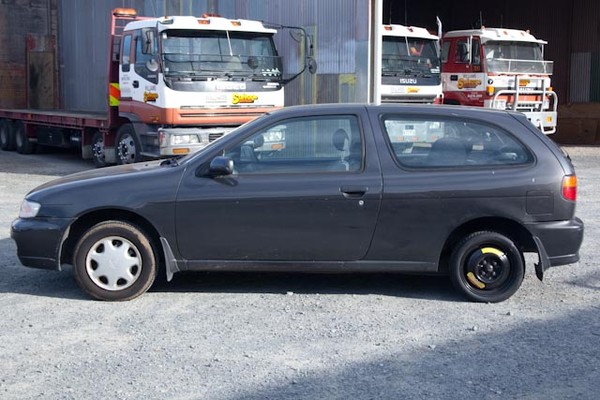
x=505 y=226
x=86 y=221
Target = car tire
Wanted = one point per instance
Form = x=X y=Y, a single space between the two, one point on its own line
x=115 y=261
x=486 y=267
x=127 y=146
x=7 y=135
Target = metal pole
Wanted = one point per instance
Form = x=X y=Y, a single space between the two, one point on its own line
x=375 y=22
x=213 y=6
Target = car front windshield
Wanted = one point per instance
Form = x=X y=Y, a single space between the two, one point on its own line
x=199 y=53
x=409 y=56
x=516 y=57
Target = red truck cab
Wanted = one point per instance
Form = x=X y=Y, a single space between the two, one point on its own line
x=502 y=69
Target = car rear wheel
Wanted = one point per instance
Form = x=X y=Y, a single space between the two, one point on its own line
x=115 y=261
x=487 y=267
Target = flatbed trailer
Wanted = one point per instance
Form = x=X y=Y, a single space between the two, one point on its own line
x=23 y=129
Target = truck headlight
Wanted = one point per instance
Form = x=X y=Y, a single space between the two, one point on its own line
x=29 y=209
x=178 y=140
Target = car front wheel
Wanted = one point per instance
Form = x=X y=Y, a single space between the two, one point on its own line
x=487 y=267
x=114 y=261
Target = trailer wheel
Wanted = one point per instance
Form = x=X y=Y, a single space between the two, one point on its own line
x=22 y=142
x=128 y=146
x=98 y=151
x=7 y=135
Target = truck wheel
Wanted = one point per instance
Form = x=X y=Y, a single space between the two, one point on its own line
x=7 y=135
x=114 y=261
x=128 y=146
x=22 y=142
x=487 y=267
x=98 y=153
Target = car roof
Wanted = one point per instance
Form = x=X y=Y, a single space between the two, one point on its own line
x=442 y=109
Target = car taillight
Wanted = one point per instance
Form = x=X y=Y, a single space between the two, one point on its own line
x=569 y=187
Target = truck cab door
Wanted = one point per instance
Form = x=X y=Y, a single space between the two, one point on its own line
x=125 y=81
x=142 y=77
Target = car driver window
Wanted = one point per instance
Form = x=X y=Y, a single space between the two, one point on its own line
x=301 y=145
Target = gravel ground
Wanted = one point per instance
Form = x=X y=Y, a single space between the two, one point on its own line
x=284 y=336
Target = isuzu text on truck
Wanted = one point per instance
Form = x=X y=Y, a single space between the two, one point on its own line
x=410 y=65
x=499 y=68
x=175 y=84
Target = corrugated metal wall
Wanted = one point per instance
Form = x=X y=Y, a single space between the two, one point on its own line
x=83 y=51
x=585 y=48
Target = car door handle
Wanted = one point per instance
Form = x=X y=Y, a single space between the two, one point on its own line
x=354 y=192
x=136 y=84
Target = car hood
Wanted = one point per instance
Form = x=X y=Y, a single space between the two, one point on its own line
x=101 y=174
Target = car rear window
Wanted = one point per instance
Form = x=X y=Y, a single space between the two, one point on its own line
x=438 y=142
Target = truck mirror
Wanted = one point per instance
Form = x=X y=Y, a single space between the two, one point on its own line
x=312 y=66
x=152 y=65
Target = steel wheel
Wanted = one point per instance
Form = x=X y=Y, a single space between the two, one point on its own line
x=115 y=260
x=128 y=147
x=98 y=151
x=487 y=267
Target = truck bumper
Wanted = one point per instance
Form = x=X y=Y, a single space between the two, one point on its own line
x=39 y=241
x=543 y=120
x=184 y=140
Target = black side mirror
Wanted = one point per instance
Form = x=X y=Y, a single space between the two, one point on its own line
x=220 y=166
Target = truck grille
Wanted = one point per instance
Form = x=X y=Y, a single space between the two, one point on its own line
x=411 y=100
x=214 y=136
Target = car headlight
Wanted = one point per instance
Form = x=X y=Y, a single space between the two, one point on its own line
x=29 y=209
x=177 y=140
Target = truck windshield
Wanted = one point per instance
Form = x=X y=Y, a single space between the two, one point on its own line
x=402 y=56
x=206 y=54
x=516 y=57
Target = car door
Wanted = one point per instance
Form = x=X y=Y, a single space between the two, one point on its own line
x=303 y=188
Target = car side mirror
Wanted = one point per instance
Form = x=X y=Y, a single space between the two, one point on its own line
x=220 y=166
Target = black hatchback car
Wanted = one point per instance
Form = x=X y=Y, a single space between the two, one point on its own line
x=327 y=188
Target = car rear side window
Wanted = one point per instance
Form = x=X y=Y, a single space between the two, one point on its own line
x=436 y=142
x=301 y=145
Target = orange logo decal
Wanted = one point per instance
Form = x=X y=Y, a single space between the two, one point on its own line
x=464 y=83
x=244 y=98
x=149 y=96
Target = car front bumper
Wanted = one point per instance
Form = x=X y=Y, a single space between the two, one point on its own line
x=39 y=241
